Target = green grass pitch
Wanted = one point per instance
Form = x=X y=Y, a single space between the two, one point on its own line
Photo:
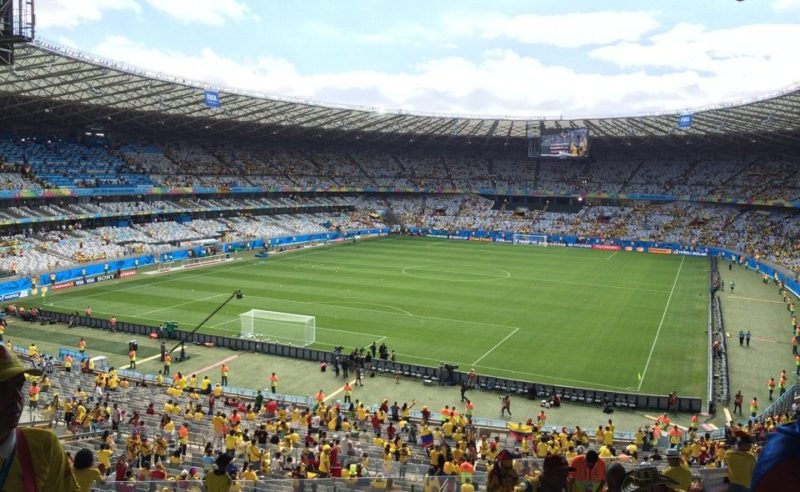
x=585 y=318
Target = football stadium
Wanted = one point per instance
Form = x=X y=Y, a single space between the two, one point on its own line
x=208 y=288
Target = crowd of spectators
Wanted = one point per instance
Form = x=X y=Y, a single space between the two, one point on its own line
x=174 y=429
x=219 y=165
x=769 y=233
x=66 y=244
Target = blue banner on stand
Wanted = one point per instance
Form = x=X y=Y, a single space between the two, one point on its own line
x=685 y=121
x=211 y=98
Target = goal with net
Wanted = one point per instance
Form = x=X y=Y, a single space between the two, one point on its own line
x=532 y=239
x=167 y=264
x=274 y=326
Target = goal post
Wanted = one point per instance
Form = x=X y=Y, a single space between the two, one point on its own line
x=187 y=263
x=530 y=239
x=275 y=326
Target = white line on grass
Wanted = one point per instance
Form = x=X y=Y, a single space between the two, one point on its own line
x=370 y=335
x=178 y=305
x=549 y=377
x=555 y=253
x=314 y=303
x=334 y=345
x=360 y=303
x=584 y=284
x=245 y=264
x=438 y=243
x=753 y=299
x=423 y=268
x=224 y=323
x=614 y=254
x=660 y=324
x=498 y=344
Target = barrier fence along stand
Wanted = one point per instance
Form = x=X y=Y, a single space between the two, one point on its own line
x=530 y=389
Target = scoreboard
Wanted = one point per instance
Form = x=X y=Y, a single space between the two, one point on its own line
x=567 y=143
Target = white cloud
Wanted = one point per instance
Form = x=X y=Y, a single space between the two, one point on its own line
x=744 y=61
x=407 y=34
x=781 y=5
x=400 y=34
x=209 y=12
x=564 y=30
x=503 y=82
x=71 y=13
x=68 y=42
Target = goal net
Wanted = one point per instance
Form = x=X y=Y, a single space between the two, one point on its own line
x=532 y=239
x=273 y=326
x=168 y=264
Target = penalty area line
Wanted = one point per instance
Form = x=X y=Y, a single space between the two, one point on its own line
x=167 y=308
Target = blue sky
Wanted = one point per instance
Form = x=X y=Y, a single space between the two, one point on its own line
x=503 y=58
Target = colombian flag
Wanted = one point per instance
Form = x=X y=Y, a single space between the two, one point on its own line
x=427 y=440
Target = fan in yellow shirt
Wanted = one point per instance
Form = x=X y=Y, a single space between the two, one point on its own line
x=230 y=443
x=85 y=472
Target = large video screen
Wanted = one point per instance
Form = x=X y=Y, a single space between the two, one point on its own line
x=566 y=143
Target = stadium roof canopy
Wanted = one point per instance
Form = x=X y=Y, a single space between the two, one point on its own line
x=59 y=86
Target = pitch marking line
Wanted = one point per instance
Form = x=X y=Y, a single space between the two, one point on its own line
x=753 y=299
x=424 y=268
x=177 y=305
x=179 y=278
x=550 y=377
x=614 y=254
x=224 y=323
x=584 y=284
x=329 y=397
x=148 y=359
x=212 y=366
x=498 y=344
x=360 y=303
x=684 y=429
x=560 y=380
x=370 y=335
x=660 y=324
x=315 y=303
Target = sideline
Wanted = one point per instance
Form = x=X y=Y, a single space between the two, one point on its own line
x=732 y=296
x=658 y=331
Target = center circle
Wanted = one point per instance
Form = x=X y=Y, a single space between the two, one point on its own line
x=450 y=274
